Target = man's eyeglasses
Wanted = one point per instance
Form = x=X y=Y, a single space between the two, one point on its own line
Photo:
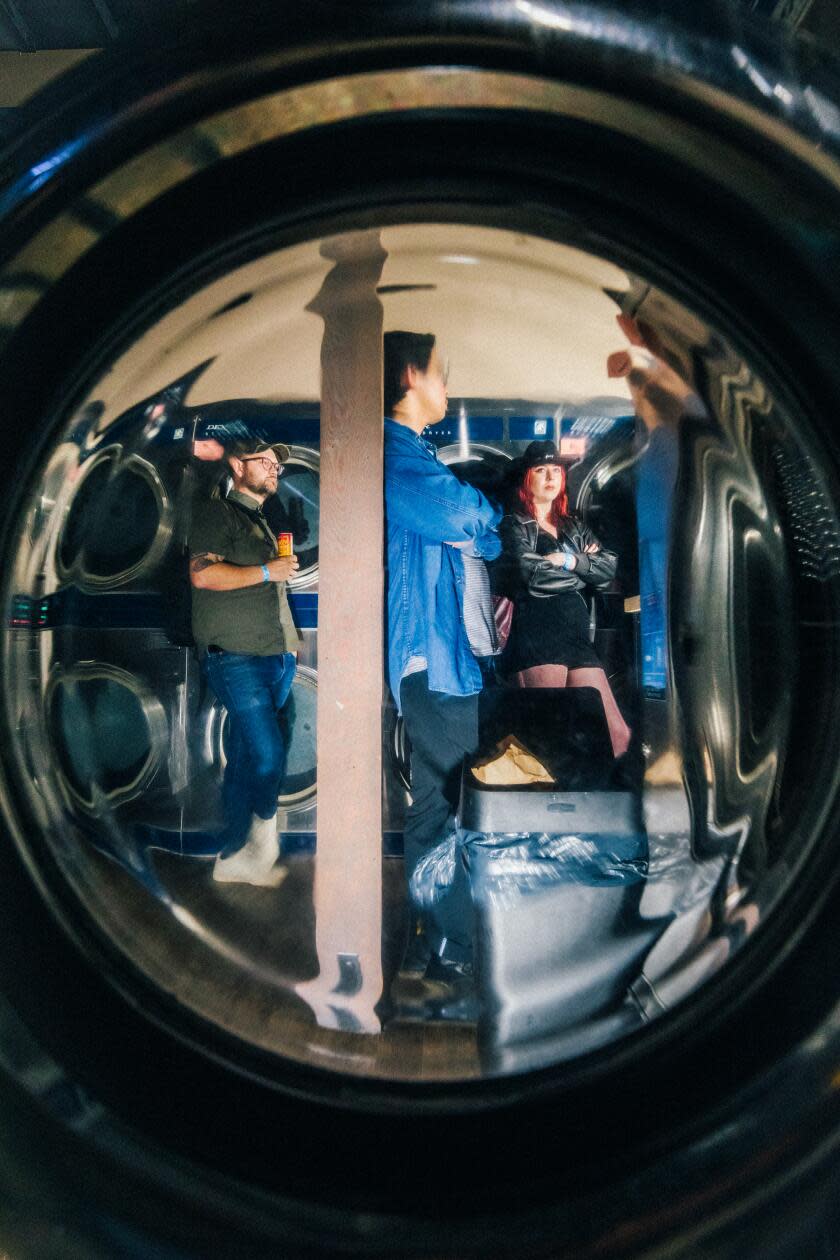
x=270 y=465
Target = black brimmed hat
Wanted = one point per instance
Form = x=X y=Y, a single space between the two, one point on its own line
x=543 y=451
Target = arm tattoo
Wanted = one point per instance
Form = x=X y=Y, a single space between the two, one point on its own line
x=204 y=560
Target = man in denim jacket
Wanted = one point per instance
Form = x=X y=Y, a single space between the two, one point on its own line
x=433 y=674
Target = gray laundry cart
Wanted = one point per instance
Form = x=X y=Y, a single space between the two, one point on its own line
x=556 y=880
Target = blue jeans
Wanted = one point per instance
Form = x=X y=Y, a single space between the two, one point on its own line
x=253 y=689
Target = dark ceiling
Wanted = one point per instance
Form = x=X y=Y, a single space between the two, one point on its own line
x=30 y=25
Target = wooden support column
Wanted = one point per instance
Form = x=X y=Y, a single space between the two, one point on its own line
x=348 y=865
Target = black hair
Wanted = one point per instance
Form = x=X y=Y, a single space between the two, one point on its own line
x=403 y=350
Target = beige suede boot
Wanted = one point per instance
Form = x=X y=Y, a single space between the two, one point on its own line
x=255 y=862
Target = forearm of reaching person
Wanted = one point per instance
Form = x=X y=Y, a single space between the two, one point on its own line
x=213 y=573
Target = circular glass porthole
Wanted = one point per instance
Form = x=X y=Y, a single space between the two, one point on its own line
x=107 y=732
x=296 y=507
x=693 y=819
x=298 y=722
x=494 y=457
x=479 y=465
x=118 y=523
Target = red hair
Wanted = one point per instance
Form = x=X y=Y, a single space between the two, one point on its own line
x=560 y=506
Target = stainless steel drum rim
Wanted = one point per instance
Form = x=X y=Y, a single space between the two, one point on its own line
x=153 y=713
x=453 y=454
x=434 y=89
x=45 y=519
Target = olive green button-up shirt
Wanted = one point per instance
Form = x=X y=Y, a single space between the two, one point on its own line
x=255 y=619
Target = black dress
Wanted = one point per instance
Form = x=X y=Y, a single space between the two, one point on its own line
x=550 y=628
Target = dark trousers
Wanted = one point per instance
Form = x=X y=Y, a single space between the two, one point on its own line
x=442 y=731
x=253 y=689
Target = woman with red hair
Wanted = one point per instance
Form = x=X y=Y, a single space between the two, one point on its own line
x=549 y=558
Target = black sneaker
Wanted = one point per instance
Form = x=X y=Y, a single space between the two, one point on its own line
x=447 y=970
x=417 y=955
x=456 y=999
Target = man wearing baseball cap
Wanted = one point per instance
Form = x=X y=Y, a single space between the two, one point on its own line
x=247 y=642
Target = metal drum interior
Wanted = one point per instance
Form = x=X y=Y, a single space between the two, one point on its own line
x=708 y=491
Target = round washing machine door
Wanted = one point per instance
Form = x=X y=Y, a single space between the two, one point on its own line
x=299 y=726
x=478 y=464
x=118 y=523
x=107 y=731
x=296 y=507
x=299 y=721
x=153 y=1047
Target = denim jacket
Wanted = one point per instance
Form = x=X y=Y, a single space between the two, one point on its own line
x=426 y=507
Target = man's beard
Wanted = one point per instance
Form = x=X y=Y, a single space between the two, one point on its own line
x=266 y=487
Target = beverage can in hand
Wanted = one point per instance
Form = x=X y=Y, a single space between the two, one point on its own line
x=285 y=544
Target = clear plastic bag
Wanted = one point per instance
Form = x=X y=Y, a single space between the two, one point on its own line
x=434 y=874
x=525 y=862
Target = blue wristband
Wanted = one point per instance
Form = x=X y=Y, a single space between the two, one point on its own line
x=265 y=573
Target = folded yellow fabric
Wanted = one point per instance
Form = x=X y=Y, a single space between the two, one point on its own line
x=511 y=765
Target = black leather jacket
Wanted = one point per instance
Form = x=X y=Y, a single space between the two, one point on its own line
x=521 y=568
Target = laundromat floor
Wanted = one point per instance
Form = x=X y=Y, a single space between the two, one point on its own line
x=234 y=954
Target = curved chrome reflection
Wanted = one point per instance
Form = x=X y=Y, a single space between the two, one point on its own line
x=467 y=452
x=733 y=639
x=401 y=751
